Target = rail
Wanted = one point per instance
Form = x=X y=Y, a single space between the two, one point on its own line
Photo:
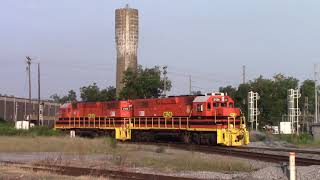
x=84 y=171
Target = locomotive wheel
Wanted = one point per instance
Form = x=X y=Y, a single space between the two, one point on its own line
x=186 y=138
x=195 y=138
x=213 y=139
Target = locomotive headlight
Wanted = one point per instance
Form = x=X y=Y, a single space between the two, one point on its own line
x=243 y=125
x=231 y=125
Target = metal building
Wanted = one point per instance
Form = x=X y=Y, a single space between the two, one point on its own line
x=16 y=109
x=126 y=34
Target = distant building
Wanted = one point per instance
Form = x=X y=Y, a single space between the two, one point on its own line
x=126 y=34
x=17 y=109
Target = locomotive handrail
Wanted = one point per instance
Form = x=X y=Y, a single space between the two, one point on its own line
x=146 y=122
x=155 y=122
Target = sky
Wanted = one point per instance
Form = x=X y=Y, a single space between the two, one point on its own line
x=209 y=40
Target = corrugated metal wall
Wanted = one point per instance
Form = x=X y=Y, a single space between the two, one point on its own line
x=16 y=109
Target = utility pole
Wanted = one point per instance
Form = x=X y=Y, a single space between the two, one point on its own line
x=315 y=93
x=165 y=80
x=29 y=75
x=243 y=74
x=39 y=94
x=190 y=85
x=306 y=112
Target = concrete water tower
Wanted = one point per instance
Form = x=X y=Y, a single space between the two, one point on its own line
x=126 y=34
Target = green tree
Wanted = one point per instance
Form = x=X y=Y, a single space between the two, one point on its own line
x=196 y=93
x=90 y=93
x=143 y=83
x=71 y=97
x=108 y=94
x=273 y=96
x=93 y=93
x=307 y=92
x=231 y=91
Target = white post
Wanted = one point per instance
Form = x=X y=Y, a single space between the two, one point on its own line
x=72 y=133
x=292 y=165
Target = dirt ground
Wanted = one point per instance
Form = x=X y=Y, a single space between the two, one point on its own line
x=12 y=172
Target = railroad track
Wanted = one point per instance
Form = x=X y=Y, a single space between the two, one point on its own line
x=245 y=153
x=78 y=171
x=302 y=151
x=262 y=156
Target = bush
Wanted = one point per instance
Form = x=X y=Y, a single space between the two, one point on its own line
x=8 y=129
x=257 y=136
x=297 y=139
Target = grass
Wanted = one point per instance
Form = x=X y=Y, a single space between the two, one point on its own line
x=62 y=144
x=196 y=162
x=297 y=140
x=302 y=140
x=122 y=155
x=8 y=129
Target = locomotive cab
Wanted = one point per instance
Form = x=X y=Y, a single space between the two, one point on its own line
x=218 y=111
x=215 y=105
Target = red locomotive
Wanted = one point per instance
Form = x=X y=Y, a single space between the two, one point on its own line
x=206 y=119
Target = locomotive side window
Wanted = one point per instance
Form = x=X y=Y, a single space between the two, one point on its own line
x=216 y=105
x=199 y=107
x=208 y=106
x=223 y=104
x=230 y=105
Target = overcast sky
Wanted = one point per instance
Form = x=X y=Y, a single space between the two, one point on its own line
x=208 y=39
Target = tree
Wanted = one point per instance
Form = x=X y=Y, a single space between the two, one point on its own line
x=231 y=91
x=196 y=93
x=90 y=93
x=71 y=97
x=93 y=93
x=307 y=91
x=143 y=83
x=273 y=96
x=108 y=94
